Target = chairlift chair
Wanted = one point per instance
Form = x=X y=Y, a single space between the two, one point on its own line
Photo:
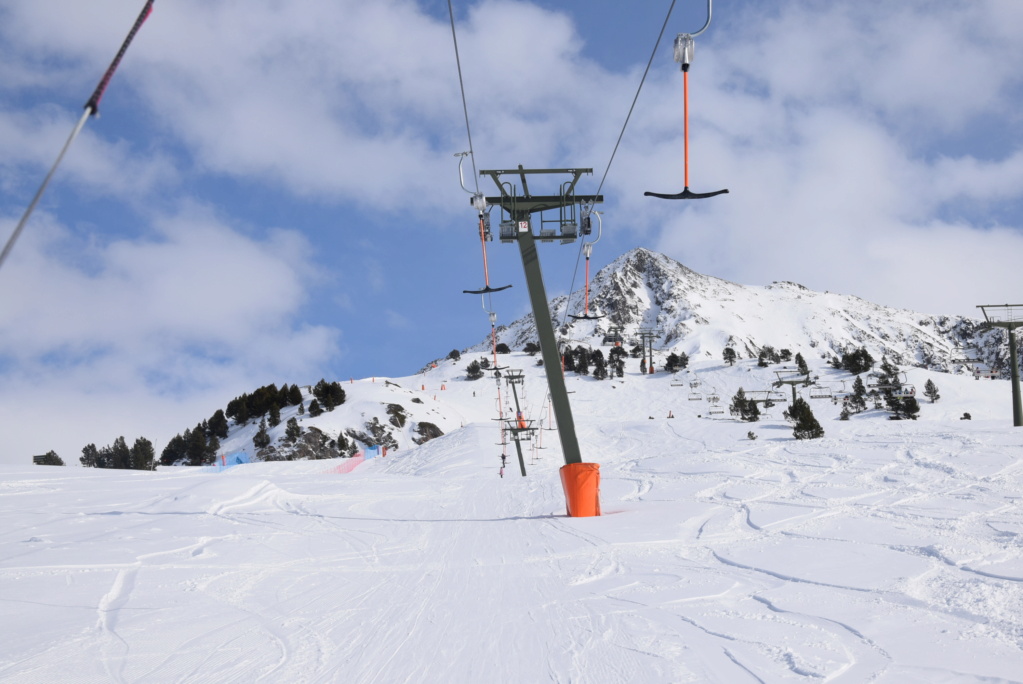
x=695 y=396
x=904 y=392
x=820 y=392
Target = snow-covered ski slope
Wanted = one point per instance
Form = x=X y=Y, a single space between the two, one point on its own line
x=886 y=551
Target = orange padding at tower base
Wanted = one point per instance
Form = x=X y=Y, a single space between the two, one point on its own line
x=581 y=482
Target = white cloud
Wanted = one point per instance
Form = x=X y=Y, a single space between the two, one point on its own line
x=195 y=312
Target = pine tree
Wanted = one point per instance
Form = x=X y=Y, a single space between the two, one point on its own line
x=743 y=408
x=729 y=356
x=671 y=363
x=617 y=361
x=198 y=446
x=738 y=404
x=120 y=455
x=801 y=365
x=283 y=396
x=106 y=458
x=301 y=408
x=568 y=359
x=175 y=449
x=454 y=355
x=805 y=425
x=473 y=371
x=314 y=409
x=599 y=366
x=262 y=438
x=582 y=360
x=275 y=416
x=683 y=360
x=51 y=458
x=931 y=391
x=294 y=395
x=503 y=348
x=293 y=430
x=90 y=456
x=857 y=401
x=212 y=448
x=218 y=424
x=143 y=454
x=858 y=361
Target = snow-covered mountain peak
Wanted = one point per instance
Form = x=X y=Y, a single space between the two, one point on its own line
x=700 y=314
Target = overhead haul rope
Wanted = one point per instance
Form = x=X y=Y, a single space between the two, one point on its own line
x=477 y=201
x=91 y=108
x=653 y=53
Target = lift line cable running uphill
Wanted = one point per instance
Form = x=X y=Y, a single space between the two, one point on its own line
x=621 y=134
x=684 y=50
x=91 y=109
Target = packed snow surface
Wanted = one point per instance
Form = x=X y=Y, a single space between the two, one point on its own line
x=886 y=551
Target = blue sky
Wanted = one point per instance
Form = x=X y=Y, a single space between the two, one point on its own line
x=270 y=194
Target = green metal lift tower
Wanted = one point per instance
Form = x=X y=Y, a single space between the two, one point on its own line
x=1010 y=317
x=518 y=225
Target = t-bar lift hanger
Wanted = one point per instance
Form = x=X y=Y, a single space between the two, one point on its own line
x=587 y=251
x=479 y=203
x=684 y=50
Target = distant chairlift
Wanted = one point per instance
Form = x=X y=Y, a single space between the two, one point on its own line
x=821 y=392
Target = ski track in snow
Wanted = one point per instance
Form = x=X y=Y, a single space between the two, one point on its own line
x=884 y=552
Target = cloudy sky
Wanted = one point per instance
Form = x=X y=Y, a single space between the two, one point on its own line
x=270 y=194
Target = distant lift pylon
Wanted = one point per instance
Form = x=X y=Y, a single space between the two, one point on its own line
x=684 y=49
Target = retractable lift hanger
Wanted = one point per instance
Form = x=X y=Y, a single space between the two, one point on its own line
x=493 y=341
x=479 y=203
x=587 y=251
x=684 y=50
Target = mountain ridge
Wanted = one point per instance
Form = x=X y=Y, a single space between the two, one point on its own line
x=701 y=314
